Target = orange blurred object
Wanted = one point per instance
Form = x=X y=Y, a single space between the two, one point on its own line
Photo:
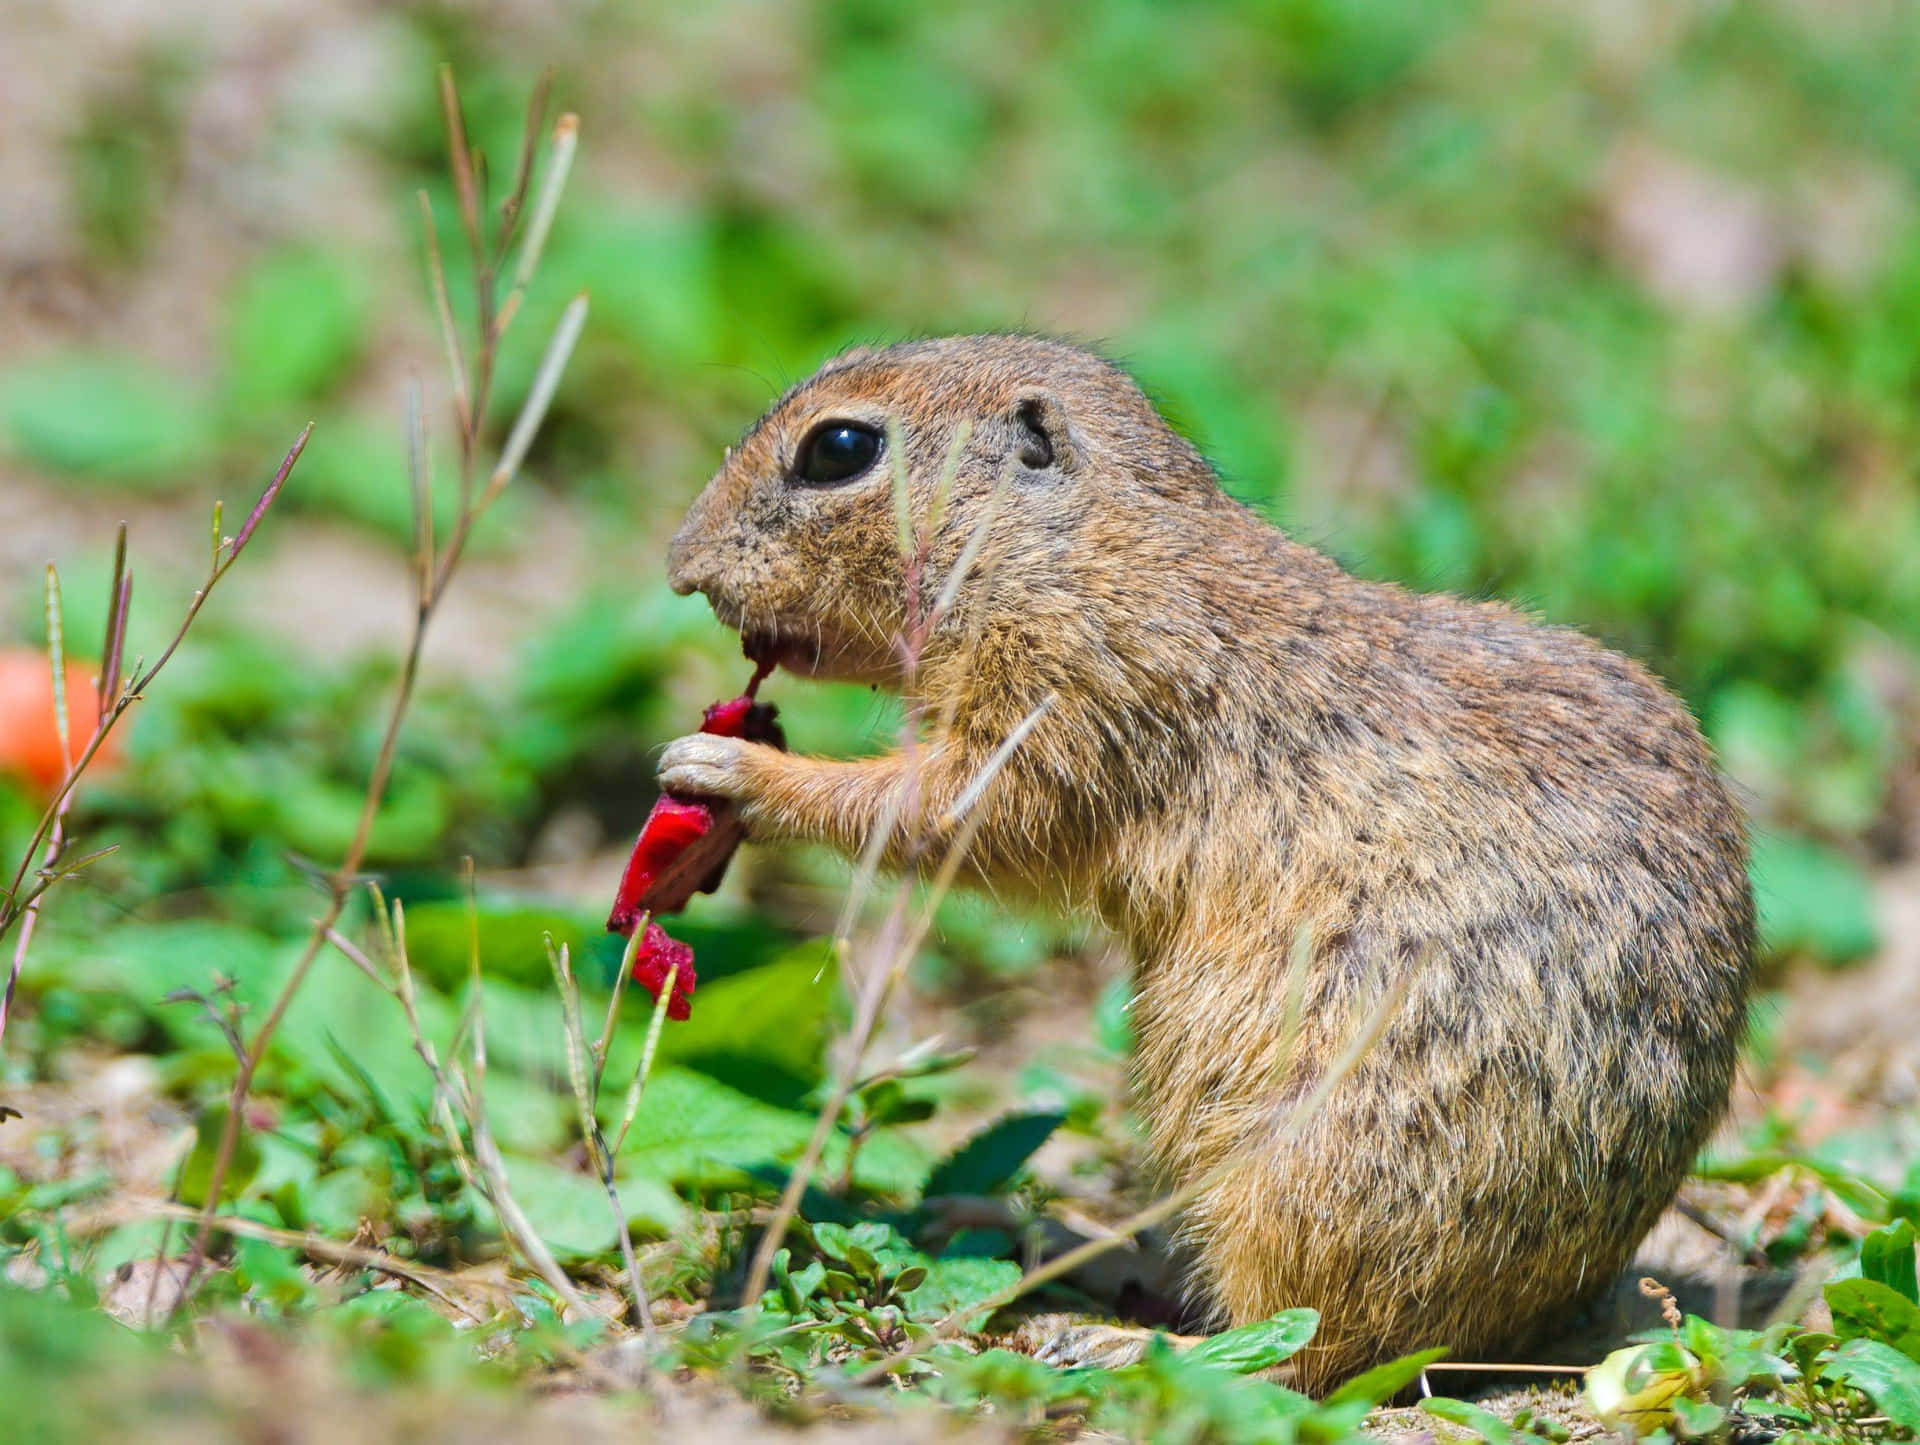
x=29 y=740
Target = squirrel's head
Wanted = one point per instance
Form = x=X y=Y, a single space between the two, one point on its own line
x=796 y=540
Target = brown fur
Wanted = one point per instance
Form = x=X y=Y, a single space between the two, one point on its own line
x=1517 y=832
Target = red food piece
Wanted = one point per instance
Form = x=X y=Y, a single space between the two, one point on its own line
x=658 y=957
x=678 y=853
x=684 y=849
x=728 y=719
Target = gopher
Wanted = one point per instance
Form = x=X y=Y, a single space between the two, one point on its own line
x=1311 y=805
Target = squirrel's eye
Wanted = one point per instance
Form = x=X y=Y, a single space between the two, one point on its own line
x=837 y=452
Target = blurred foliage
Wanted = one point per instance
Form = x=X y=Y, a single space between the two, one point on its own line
x=1392 y=300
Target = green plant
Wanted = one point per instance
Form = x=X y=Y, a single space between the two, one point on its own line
x=1695 y=1379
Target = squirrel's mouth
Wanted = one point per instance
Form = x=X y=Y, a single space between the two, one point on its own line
x=817 y=653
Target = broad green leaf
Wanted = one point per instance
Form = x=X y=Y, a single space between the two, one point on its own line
x=1695 y=1419
x=954 y=1284
x=692 y=1129
x=569 y=1211
x=337 y=1202
x=1812 y=899
x=110 y=418
x=1001 y=1374
x=139 y=1239
x=1867 y=1309
x=1273 y=1402
x=296 y=324
x=145 y=962
x=1258 y=1346
x=1484 y=1423
x=56 y=1355
x=1887 y=1256
x=529 y=1116
x=355 y=1037
x=271 y=1272
x=1383 y=1382
x=1633 y=1389
x=772 y=1020
x=1886 y=1376
x=987 y=1162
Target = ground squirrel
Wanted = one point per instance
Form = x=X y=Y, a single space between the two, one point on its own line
x=1254 y=757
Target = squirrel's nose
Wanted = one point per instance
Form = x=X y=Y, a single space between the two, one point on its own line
x=688 y=567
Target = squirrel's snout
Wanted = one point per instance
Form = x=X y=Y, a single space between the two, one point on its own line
x=688 y=568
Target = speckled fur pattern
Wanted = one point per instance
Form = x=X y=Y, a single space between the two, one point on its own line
x=1254 y=756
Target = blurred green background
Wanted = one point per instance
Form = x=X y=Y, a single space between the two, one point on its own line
x=1608 y=308
x=1611 y=309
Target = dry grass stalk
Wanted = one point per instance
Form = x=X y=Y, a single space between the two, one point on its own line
x=20 y=904
x=471 y=391
x=895 y=944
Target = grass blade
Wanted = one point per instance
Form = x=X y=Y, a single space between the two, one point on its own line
x=545 y=382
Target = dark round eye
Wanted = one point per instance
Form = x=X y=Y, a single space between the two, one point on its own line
x=837 y=452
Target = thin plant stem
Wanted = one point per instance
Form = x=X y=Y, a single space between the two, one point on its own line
x=111 y=714
x=20 y=906
x=614 y=996
x=876 y=986
x=892 y=952
x=587 y=1097
x=436 y=1282
x=638 y=1087
x=470 y=397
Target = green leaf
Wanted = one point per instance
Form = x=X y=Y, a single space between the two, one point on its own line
x=296 y=326
x=1484 y=1423
x=1887 y=1257
x=1883 y=1374
x=838 y=1283
x=772 y=1020
x=795 y=1288
x=271 y=1272
x=567 y=1210
x=110 y=418
x=837 y=1242
x=1383 y=1382
x=1005 y=1375
x=1813 y=900
x=1697 y=1418
x=1258 y=1346
x=987 y=1162
x=691 y=1129
x=1867 y=1309
x=954 y=1284
x=512 y=942
x=197 y=1173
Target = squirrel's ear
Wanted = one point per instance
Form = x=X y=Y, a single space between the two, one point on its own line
x=1045 y=436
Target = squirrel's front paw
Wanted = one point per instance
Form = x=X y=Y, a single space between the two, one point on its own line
x=707 y=765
